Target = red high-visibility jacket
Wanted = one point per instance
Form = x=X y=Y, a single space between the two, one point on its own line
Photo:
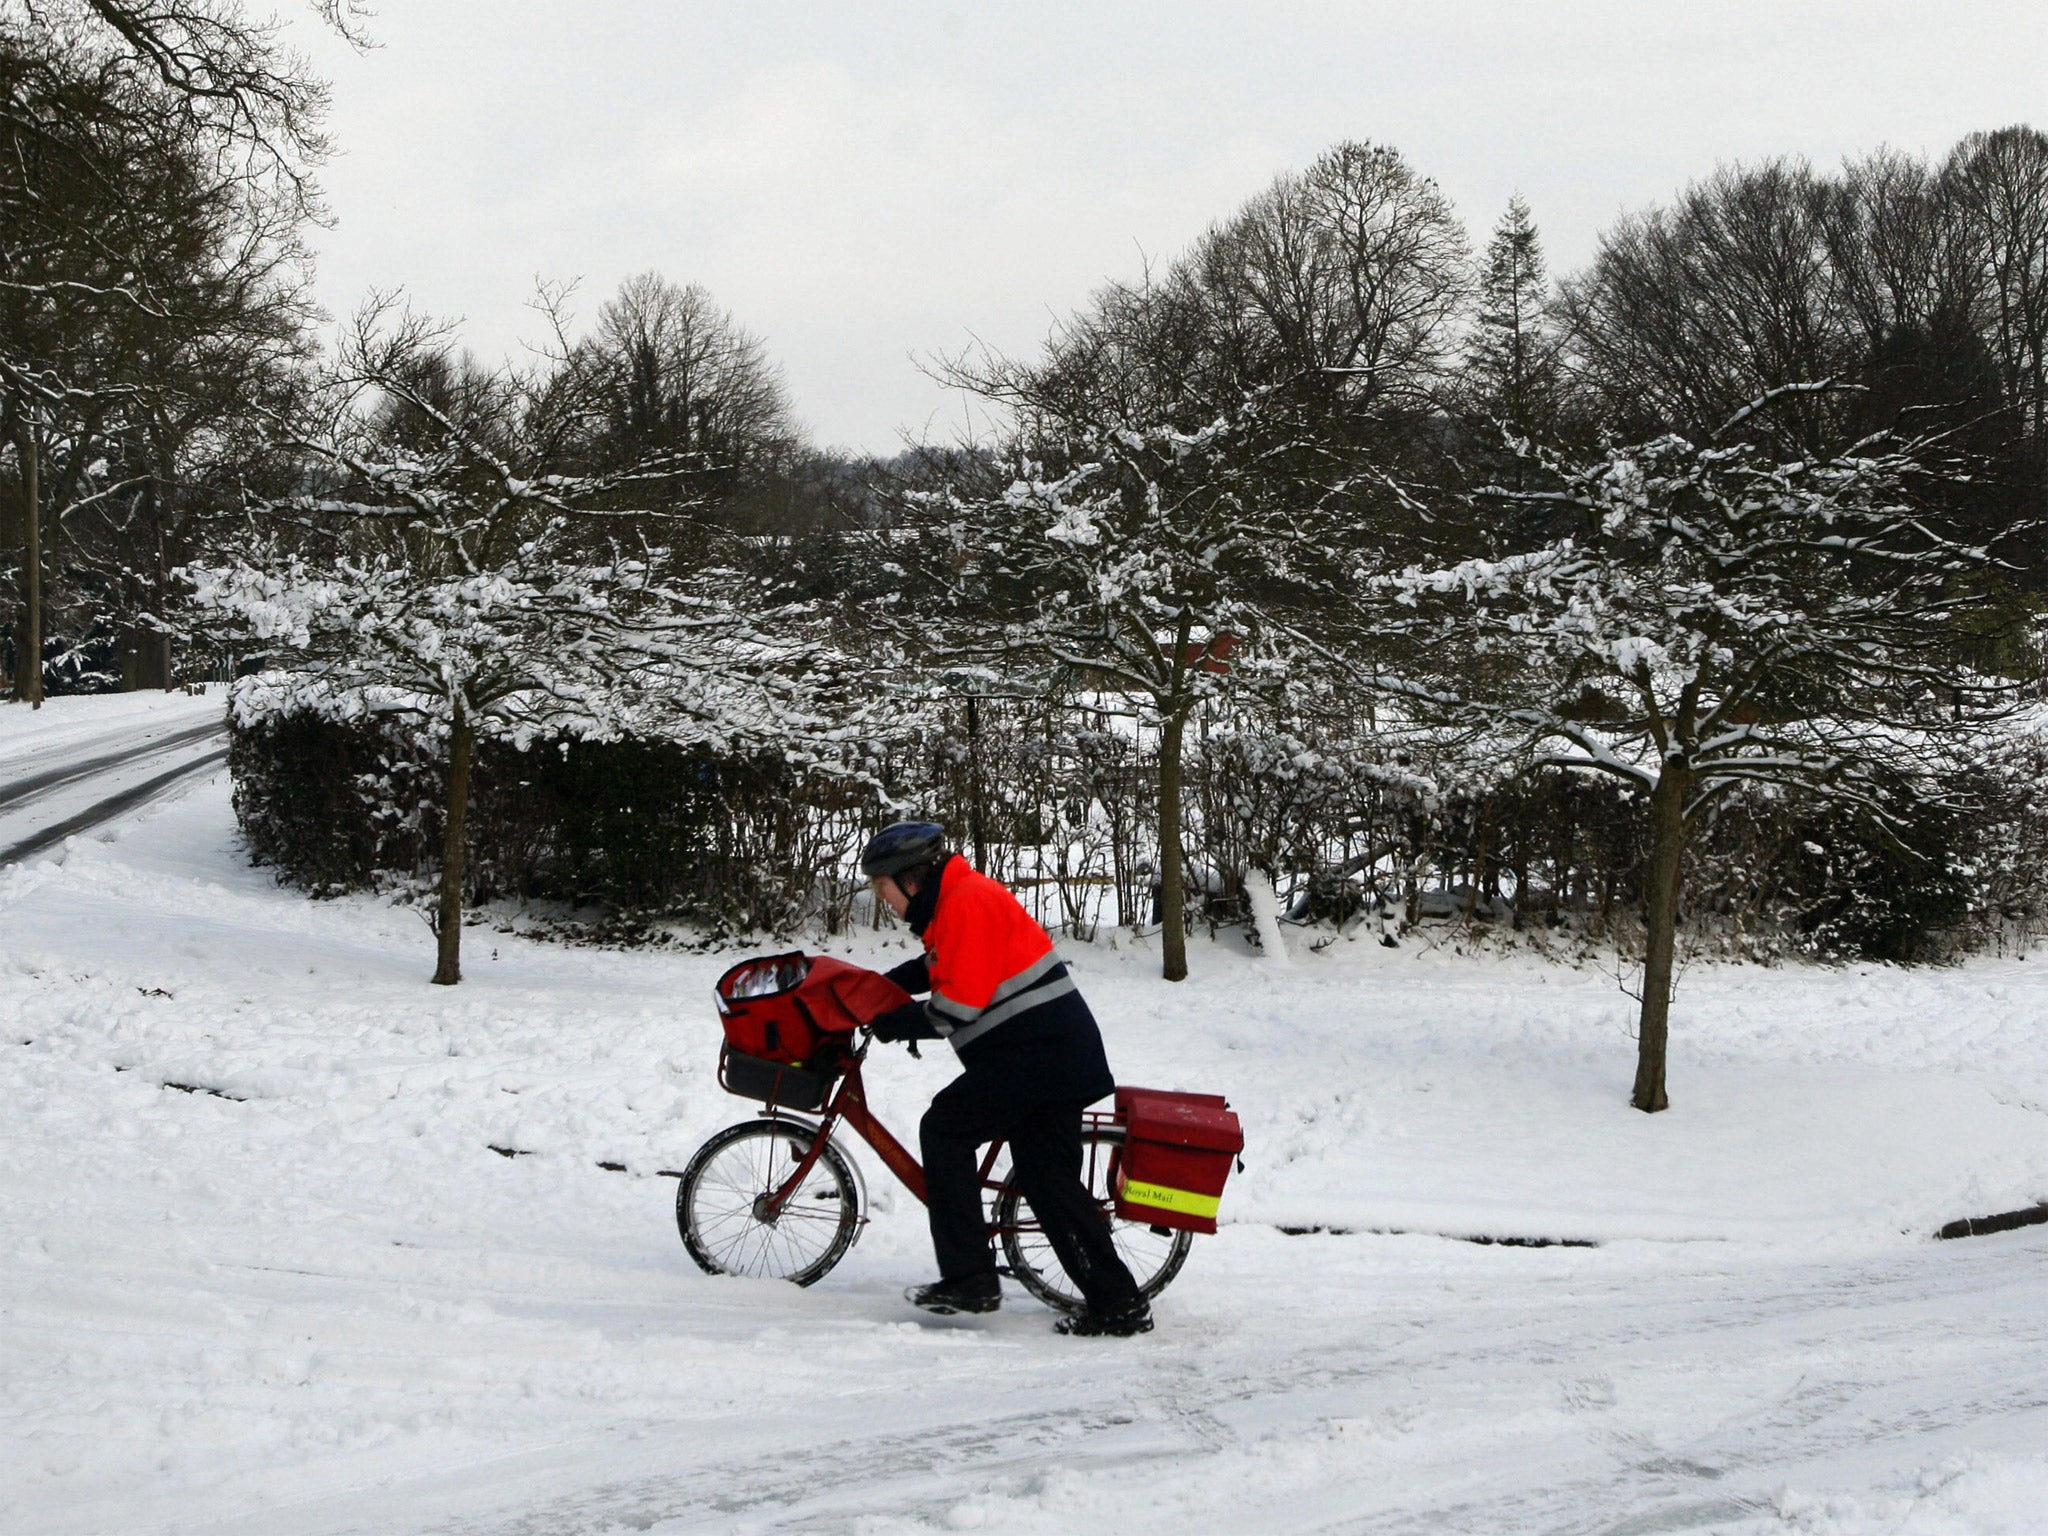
x=997 y=983
x=989 y=960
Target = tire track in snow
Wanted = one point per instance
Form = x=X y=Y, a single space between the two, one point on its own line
x=1839 y=1403
x=114 y=805
x=26 y=791
x=1818 y=1380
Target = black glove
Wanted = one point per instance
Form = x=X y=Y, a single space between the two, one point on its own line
x=913 y=975
x=904 y=1023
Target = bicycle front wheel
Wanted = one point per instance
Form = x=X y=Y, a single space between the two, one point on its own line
x=1153 y=1255
x=721 y=1204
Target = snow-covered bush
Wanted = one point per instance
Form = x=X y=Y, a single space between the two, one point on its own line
x=1059 y=798
x=631 y=837
x=453 y=570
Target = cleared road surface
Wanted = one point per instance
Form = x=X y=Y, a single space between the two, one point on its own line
x=79 y=763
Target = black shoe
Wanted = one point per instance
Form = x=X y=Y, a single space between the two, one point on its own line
x=1120 y=1324
x=966 y=1293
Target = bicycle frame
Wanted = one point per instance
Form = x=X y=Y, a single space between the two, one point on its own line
x=849 y=1103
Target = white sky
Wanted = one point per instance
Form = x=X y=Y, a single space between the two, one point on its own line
x=862 y=183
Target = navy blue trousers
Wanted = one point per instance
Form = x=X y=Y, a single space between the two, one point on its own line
x=1044 y=1135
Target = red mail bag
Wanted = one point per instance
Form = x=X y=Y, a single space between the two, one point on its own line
x=1178 y=1151
x=781 y=1008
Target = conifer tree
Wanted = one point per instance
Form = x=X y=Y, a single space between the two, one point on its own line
x=1511 y=373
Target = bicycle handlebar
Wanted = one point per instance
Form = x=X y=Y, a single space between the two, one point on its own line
x=868 y=1037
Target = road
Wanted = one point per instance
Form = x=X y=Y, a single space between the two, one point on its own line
x=75 y=771
x=1605 y=1397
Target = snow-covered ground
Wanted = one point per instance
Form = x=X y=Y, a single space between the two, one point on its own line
x=78 y=727
x=323 y=1305
x=61 y=763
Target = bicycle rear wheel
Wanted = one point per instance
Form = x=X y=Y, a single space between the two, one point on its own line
x=1153 y=1255
x=721 y=1204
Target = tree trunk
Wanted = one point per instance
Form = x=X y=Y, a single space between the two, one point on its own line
x=1660 y=921
x=28 y=671
x=1478 y=865
x=977 y=829
x=448 y=923
x=1173 y=899
x=157 y=653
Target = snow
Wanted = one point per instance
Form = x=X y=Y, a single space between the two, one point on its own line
x=323 y=1305
x=1265 y=908
x=60 y=763
x=79 y=727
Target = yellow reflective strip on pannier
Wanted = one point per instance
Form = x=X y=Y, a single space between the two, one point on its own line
x=1164 y=1198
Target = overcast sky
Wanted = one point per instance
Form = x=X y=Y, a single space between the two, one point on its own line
x=865 y=183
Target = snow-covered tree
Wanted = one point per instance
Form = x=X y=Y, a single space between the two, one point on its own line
x=151 y=284
x=1696 y=617
x=440 y=570
x=1156 y=563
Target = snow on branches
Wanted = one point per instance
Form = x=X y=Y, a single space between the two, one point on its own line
x=452 y=564
x=1132 y=557
x=1688 y=618
x=1160 y=563
x=1708 y=610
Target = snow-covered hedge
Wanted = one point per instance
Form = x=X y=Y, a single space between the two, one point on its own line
x=636 y=829
x=1061 y=801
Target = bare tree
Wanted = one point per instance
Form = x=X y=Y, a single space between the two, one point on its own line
x=1350 y=273
x=1688 y=312
x=1997 y=184
x=253 y=103
x=1342 y=283
x=666 y=371
x=1898 y=246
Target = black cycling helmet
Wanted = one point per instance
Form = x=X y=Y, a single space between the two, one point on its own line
x=903 y=846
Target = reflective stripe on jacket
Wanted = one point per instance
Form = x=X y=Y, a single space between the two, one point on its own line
x=990 y=963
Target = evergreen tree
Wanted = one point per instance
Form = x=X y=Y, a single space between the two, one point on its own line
x=1511 y=373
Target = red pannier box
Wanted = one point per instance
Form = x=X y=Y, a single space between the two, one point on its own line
x=1178 y=1148
x=780 y=1008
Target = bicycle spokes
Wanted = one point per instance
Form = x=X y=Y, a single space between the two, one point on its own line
x=731 y=1219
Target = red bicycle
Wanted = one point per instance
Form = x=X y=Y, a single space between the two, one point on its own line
x=776 y=1198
